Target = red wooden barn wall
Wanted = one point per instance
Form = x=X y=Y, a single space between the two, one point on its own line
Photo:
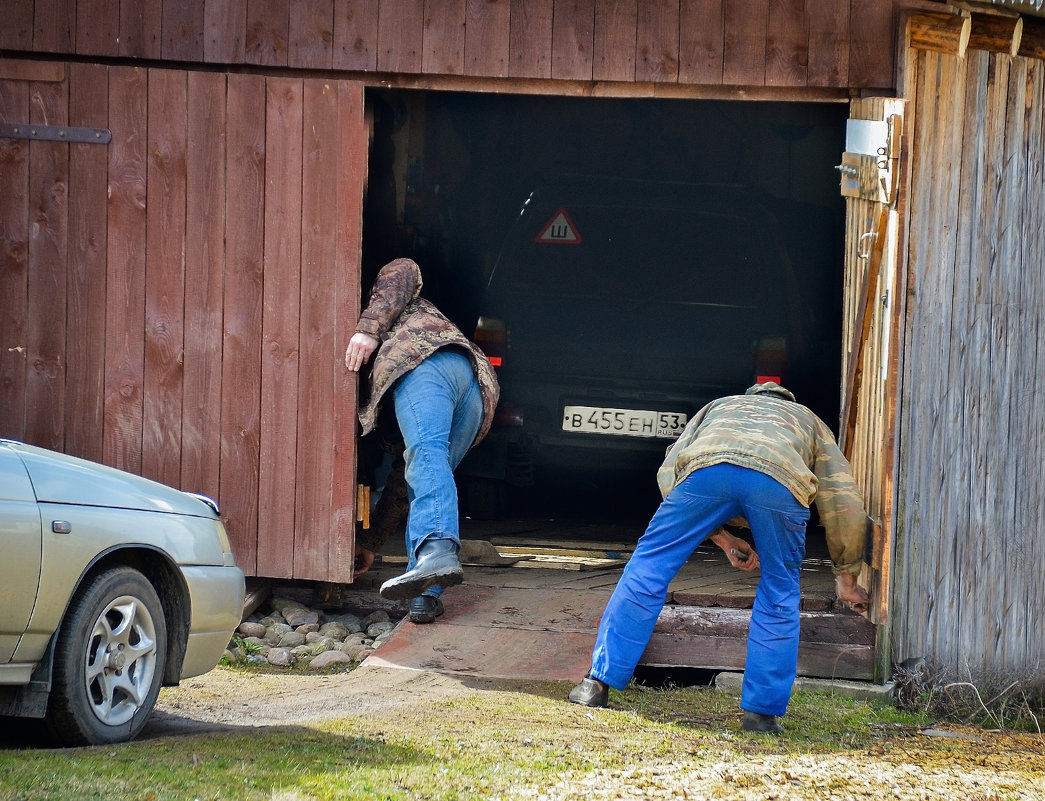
x=178 y=299
x=838 y=44
x=177 y=303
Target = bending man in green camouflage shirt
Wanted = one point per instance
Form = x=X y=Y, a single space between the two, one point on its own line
x=764 y=458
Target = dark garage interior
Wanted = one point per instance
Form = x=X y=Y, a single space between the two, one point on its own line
x=449 y=173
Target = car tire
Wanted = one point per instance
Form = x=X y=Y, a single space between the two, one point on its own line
x=109 y=659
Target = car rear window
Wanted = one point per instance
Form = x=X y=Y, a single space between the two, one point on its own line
x=664 y=254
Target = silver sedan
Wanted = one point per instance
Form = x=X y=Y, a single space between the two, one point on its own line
x=111 y=586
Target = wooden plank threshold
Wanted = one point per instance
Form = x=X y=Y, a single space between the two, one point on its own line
x=831 y=645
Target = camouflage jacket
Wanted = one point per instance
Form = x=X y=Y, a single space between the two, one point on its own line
x=410 y=329
x=787 y=442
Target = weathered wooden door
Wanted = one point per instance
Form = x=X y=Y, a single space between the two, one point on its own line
x=179 y=276
x=871 y=184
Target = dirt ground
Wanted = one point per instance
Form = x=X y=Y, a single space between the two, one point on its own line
x=227 y=698
x=949 y=763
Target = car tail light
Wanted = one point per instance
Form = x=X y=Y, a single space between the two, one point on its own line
x=491 y=336
x=507 y=415
x=770 y=360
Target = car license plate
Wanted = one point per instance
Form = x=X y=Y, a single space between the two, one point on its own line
x=623 y=422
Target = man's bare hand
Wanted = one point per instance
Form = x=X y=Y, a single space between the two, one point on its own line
x=358 y=351
x=739 y=552
x=364 y=561
x=852 y=593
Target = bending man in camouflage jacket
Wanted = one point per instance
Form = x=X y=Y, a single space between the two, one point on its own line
x=444 y=391
x=763 y=457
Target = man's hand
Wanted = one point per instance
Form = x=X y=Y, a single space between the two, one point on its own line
x=358 y=351
x=364 y=561
x=739 y=552
x=851 y=592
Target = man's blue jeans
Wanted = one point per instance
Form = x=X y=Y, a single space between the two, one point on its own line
x=440 y=409
x=705 y=500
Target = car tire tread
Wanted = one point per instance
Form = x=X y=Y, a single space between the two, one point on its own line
x=70 y=719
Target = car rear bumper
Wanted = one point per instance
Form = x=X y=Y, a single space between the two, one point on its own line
x=216 y=596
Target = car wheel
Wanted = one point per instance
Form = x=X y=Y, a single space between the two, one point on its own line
x=108 y=661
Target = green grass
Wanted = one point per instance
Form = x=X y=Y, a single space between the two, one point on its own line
x=484 y=744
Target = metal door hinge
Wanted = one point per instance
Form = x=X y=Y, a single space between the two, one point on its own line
x=55 y=133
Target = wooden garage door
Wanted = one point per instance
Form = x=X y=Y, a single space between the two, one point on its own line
x=178 y=287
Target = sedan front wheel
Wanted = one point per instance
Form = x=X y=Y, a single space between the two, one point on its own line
x=108 y=660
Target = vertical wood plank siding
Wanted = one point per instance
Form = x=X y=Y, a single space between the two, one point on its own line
x=969 y=485
x=280 y=322
x=487 y=32
x=657 y=42
x=443 y=36
x=268 y=30
x=573 y=38
x=164 y=277
x=616 y=28
x=355 y=35
x=780 y=43
x=311 y=37
x=530 y=39
x=205 y=264
x=224 y=31
x=185 y=317
x=318 y=348
x=48 y=284
x=140 y=29
x=88 y=168
x=700 y=41
x=125 y=269
x=14 y=255
x=241 y=342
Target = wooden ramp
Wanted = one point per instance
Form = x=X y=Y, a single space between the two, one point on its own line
x=495 y=632
x=540 y=622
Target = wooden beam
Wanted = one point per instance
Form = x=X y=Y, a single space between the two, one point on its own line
x=942 y=33
x=716 y=621
x=833 y=646
x=861 y=331
x=1032 y=43
x=615 y=89
x=996 y=34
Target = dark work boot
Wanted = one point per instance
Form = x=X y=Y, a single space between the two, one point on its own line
x=437 y=566
x=761 y=724
x=425 y=609
x=590 y=692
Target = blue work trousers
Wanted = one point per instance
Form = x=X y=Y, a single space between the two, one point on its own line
x=439 y=408
x=701 y=503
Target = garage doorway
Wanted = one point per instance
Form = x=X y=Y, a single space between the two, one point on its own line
x=450 y=172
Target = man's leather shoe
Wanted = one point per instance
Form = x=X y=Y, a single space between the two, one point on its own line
x=425 y=609
x=761 y=724
x=590 y=692
x=436 y=566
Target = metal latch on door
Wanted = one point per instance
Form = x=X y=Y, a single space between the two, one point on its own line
x=871 y=157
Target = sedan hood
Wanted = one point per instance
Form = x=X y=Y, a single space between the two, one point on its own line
x=58 y=478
